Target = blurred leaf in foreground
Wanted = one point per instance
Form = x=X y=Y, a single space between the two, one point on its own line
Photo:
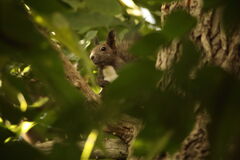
x=178 y=18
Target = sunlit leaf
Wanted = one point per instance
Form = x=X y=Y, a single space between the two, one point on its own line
x=25 y=70
x=25 y=126
x=22 y=101
x=89 y=144
x=5 y=134
x=40 y=102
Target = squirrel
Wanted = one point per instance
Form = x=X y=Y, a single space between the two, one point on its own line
x=109 y=57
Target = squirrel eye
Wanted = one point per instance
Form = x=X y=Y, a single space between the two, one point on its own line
x=103 y=49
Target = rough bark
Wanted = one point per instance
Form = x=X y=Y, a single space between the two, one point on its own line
x=78 y=81
x=113 y=148
x=217 y=48
x=125 y=131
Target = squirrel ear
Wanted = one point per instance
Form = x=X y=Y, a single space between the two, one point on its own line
x=111 y=39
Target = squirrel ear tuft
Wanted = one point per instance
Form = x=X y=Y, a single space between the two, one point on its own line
x=111 y=39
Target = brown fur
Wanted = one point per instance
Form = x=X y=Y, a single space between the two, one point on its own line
x=109 y=53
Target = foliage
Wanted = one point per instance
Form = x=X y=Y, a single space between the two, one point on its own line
x=33 y=86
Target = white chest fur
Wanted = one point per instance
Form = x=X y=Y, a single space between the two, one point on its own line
x=109 y=73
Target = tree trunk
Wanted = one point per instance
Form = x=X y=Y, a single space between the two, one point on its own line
x=217 y=48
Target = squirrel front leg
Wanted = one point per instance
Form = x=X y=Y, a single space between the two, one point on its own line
x=100 y=78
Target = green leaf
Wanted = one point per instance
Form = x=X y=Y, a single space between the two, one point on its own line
x=91 y=35
x=208 y=83
x=75 y=4
x=130 y=76
x=20 y=149
x=135 y=93
x=9 y=112
x=212 y=4
x=178 y=24
x=219 y=93
x=85 y=20
x=108 y=7
x=184 y=69
x=63 y=151
x=155 y=112
x=47 y=68
x=230 y=9
x=55 y=21
x=231 y=17
x=46 y=7
x=152 y=4
x=12 y=15
x=149 y=44
x=5 y=133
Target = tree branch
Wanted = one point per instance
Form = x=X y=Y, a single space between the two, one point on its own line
x=77 y=80
x=71 y=72
x=112 y=148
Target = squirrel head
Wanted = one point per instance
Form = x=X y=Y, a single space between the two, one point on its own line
x=105 y=53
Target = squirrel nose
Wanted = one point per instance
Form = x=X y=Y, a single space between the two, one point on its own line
x=92 y=57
